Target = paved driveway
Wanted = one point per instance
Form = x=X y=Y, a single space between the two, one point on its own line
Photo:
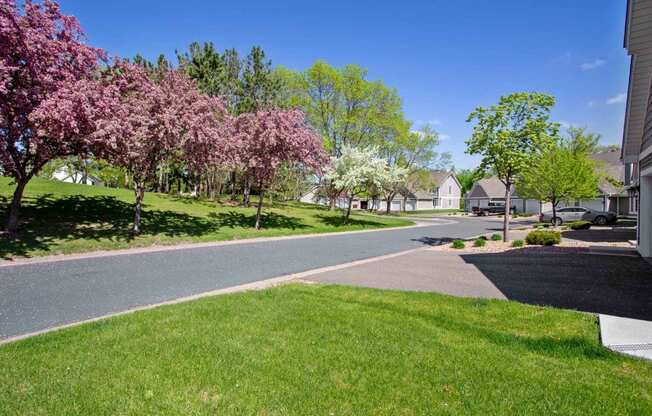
x=39 y=296
x=613 y=285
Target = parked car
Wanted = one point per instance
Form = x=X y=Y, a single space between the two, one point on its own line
x=492 y=210
x=570 y=214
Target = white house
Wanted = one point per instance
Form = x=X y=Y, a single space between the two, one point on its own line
x=445 y=194
x=65 y=174
x=637 y=133
x=490 y=192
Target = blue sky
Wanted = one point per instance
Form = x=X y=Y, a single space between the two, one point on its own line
x=444 y=57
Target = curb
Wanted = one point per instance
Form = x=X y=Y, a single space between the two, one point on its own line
x=184 y=246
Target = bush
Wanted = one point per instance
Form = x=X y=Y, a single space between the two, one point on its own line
x=579 y=225
x=543 y=238
x=458 y=244
x=480 y=242
x=517 y=243
x=542 y=225
x=496 y=237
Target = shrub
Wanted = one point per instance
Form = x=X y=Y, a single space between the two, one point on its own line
x=496 y=237
x=579 y=225
x=458 y=244
x=543 y=238
x=480 y=242
x=517 y=243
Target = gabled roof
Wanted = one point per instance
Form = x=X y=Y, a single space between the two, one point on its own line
x=488 y=188
x=437 y=177
x=610 y=165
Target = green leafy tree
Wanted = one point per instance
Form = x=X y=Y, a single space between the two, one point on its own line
x=561 y=173
x=468 y=177
x=345 y=107
x=258 y=88
x=508 y=135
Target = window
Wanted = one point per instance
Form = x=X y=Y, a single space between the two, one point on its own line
x=450 y=189
x=565 y=210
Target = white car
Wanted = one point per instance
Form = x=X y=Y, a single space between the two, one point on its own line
x=570 y=214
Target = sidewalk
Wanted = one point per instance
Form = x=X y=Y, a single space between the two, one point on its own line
x=627 y=336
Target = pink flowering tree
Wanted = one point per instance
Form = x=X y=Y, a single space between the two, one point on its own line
x=153 y=122
x=42 y=52
x=265 y=140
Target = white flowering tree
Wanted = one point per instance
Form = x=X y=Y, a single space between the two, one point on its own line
x=354 y=171
x=392 y=179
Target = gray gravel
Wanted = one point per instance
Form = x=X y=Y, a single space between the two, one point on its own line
x=43 y=295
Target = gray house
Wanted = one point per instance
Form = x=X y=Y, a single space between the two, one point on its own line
x=637 y=134
x=490 y=192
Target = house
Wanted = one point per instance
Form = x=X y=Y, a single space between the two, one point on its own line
x=636 y=150
x=490 y=192
x=66 y=174
x=612 y=194
x=446 y=193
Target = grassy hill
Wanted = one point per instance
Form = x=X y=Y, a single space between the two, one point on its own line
x=59 y=217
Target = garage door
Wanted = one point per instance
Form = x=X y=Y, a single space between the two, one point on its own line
x=396 y=206
x=410 y=205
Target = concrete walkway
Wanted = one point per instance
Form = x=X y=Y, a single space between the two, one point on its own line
x=627 y=336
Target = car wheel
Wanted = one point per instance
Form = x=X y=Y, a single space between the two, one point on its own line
x=556 y=221
x=600 y=220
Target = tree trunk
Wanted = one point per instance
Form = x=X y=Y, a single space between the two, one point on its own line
x=245 y=193
x=12 y=223
x=233 y=179
x=139 y=190
x=508 y=202
x=388 y=201
x=554 y=212
x=404 y=203
x=260 y=208
x=348 y=210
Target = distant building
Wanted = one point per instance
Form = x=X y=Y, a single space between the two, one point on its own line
x=489 y=192
x=446 y=193
x=65 y=174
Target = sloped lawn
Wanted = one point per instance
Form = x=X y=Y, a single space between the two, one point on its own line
x=58 y=217
x=327 y=350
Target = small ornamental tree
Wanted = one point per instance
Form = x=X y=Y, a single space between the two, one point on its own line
x=151 y=122
x=266 y=140
x=391 y=180
x=509 y=135
x=562 y=173
x=355 y=171
x=41 y=52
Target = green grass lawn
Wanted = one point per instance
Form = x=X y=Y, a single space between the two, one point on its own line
x=60 y=217
x=327 y=350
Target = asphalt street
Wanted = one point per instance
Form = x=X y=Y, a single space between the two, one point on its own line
x=38 y=296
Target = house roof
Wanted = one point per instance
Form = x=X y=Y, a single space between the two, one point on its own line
x=437 y=177
x=488 y=188
x=610 y=165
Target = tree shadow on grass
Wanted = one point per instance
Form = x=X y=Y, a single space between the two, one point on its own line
x=340 y=221
x=569 y=346
x=234 y=219
x=47 y=222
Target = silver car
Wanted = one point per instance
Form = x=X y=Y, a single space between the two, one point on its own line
x=570 y=214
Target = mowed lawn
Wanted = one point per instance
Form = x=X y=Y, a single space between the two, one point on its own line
x=327 y=350
x=60 y=217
